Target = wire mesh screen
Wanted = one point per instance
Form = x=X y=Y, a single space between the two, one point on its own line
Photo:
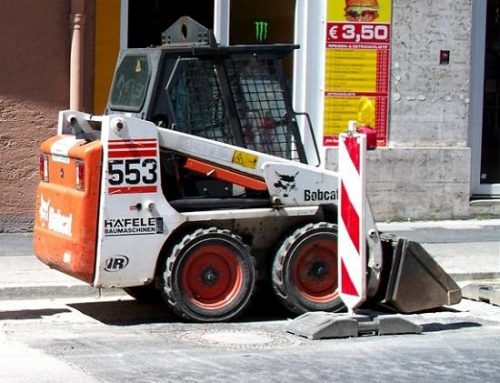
x=261 y=106
x=197 y=102
x=253 y=87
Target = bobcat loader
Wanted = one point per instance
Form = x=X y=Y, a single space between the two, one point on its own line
x=195 y=185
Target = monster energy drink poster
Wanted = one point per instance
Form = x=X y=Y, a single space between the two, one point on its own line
x=261 y=31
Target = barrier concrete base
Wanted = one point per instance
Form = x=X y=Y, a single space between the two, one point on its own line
x=323 y=325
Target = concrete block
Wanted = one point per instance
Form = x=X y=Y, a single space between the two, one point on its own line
x=486 y=292
x=323 y=325
x=495 y=297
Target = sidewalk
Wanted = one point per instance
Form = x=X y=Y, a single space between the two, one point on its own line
x=468 y=250
x=23 y=276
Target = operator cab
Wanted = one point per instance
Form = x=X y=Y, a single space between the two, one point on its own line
x=236 y=95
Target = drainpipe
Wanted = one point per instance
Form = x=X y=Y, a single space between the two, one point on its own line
x=77 y=20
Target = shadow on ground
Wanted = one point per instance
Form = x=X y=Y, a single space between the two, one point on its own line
x=30 y=314
x=436 y=326
x=125 y=312
x=129 y=312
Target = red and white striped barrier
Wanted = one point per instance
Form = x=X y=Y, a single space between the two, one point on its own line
x=351 y=220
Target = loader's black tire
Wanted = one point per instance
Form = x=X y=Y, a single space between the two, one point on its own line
x=144 y=294
x=304 y=271
x=210 y=276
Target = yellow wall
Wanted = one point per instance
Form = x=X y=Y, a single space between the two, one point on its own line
x=107 y=46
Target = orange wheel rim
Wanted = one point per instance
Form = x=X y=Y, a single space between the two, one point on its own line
x=211 y=276
x=314 y=270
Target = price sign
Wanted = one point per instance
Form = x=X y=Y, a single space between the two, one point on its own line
x=358 y=33
x=357 y=65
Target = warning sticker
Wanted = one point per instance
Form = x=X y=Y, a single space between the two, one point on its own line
x=245 y=159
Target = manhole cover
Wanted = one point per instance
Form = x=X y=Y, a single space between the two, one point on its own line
x=236 y=339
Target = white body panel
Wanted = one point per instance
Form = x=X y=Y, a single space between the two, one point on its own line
x=133 y=226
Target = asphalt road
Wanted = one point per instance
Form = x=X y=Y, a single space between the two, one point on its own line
x=111 y=340
x=124 y=341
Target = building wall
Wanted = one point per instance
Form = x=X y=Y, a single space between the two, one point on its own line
x=34 y=41
x=425 y=173
x=430 y=101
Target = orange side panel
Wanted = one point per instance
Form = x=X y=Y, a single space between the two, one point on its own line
x=225 y=175
x=65 y=232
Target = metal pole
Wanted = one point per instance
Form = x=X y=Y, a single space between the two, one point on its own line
x=222 y=14
x=124 y=24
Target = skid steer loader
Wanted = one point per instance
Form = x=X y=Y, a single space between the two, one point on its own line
x=195 y=184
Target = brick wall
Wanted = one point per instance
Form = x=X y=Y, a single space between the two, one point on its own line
x=34 y=77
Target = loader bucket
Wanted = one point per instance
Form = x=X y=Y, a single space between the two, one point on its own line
x=414 y=281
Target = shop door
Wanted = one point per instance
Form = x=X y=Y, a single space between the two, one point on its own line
x=490 y=148
x=147 y=19
x=263 y=22
x=484 y=121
